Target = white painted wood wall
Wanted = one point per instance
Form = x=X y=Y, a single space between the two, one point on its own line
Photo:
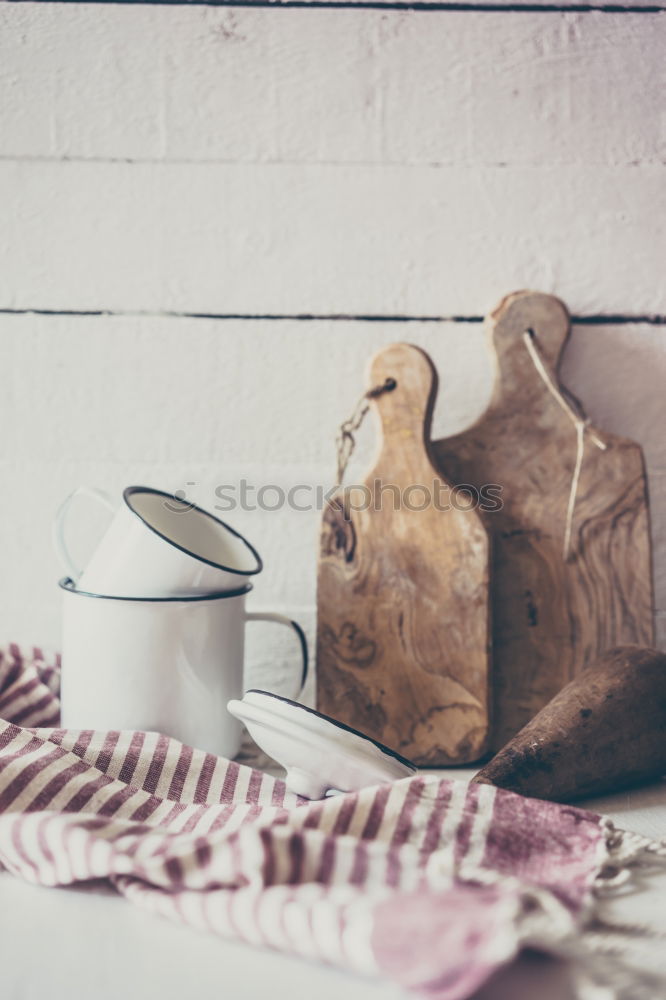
x=211 y=216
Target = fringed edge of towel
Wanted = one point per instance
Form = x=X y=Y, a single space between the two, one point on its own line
x=625 y=853
x=601 y=955
x=597 y=950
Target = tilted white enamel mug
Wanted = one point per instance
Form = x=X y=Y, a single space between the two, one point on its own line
x=158 y=546
x=168 y=664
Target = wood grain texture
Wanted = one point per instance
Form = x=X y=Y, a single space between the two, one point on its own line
x=403 y=631
x=551 y=617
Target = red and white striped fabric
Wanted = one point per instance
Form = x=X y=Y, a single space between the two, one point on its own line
x=429 y=882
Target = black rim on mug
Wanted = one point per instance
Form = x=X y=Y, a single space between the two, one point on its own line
x=68 y=585
x=130 y=491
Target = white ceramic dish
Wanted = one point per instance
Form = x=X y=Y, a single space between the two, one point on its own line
x=319 y=754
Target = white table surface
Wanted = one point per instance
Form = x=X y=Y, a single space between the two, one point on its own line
x=88 y=942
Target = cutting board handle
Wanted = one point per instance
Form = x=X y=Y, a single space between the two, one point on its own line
x=549 y=320
x=406 y=411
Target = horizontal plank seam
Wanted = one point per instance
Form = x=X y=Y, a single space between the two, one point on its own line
x=599 y=319
x=516 y=8
x=165 y=161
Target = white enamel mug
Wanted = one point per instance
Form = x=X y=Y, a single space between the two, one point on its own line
x=166 y=665
x=158 y=546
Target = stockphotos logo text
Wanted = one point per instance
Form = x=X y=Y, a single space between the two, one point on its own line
x=377 y=495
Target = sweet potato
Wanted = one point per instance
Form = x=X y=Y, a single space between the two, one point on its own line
x=605 y=731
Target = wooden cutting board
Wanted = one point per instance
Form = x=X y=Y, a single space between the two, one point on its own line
x=552 y=616
x=403 y=630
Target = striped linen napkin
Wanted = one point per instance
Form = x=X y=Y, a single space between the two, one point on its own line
x=431 y=883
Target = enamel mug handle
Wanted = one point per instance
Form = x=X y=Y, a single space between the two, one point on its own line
x=270 y=616
x=60 y=521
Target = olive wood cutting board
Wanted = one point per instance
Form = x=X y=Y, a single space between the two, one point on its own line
x=402 y=596
x=554 y=612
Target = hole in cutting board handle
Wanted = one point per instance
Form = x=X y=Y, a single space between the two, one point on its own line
x=388 y=385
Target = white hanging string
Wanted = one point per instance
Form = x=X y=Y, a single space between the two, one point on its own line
x=581 y=424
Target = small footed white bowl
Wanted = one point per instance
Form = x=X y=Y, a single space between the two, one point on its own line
x=318 y=753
